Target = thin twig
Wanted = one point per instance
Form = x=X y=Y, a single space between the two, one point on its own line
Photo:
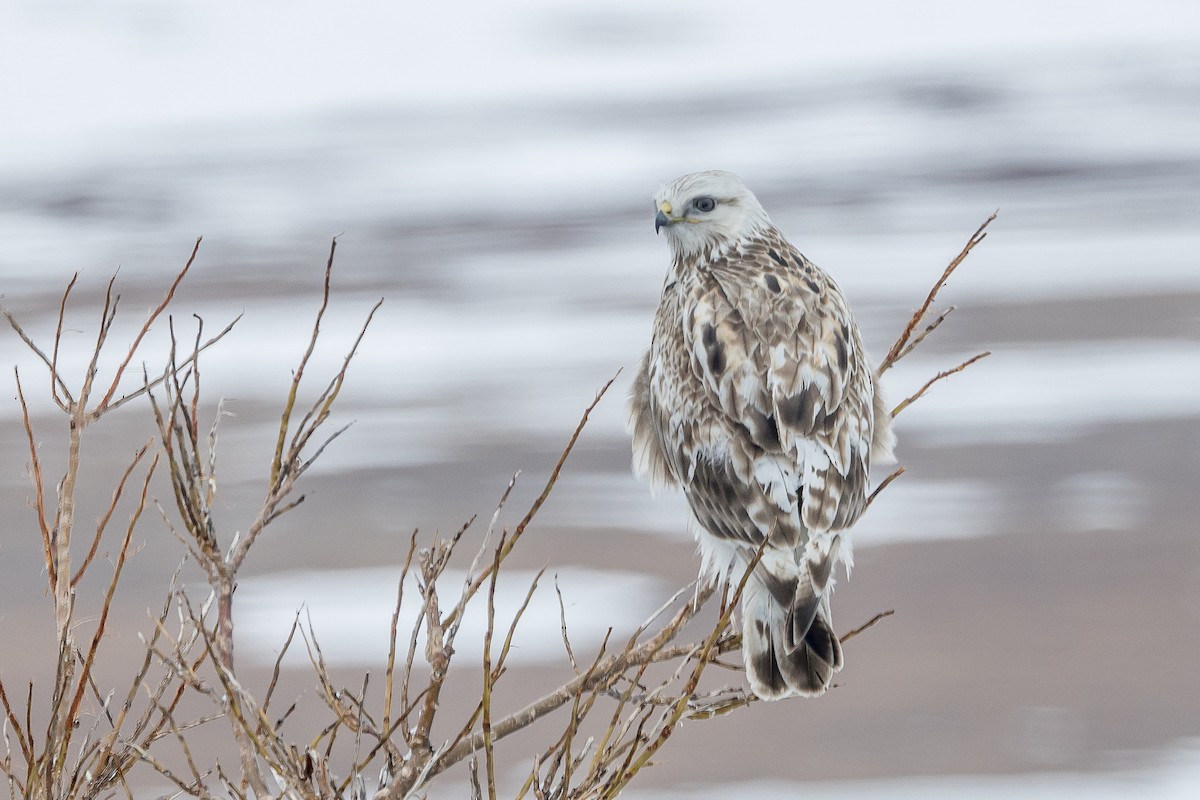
x=148 y=385
x=677 y=712
x=606 y=671
x=141 y=334
x=562 y=617
x=537 y=504
x=908 y=401
x=882 y=615
x=56 y=381
x=390 y=670
x=35 y=470
x=277 y=462
x=106 y=605
x=896 y=473
x=488 y=679
x=930 y=328
x=102 y=525
x=895 y=353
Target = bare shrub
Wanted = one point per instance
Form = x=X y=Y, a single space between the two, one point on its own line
x=622 y=704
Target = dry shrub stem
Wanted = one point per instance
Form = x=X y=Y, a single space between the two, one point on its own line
x=100 y=762
x=624 y=701
x=905 y=342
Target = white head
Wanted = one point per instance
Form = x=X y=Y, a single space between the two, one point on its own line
x=707 y=212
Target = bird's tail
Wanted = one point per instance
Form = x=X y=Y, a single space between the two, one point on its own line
x=788 y=651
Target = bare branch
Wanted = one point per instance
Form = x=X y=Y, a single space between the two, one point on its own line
x=886 y=482
x=35 y=471
x=920 y=337
x=604 y=673
x=677 y=712
x=390 y=671
x=278 y=667
x=106 y=605
x=137 y=341
x=15 y=726
x=562 y=617
x=905 y=337
x=107 y=315
x=277 y=463
x=29 y=342
x=882 y=615
x=908 y=401
x=56 y=382
x=148 y=384
x=537 y=504
x=319 y=410
x=102 y=525
x=488 y=678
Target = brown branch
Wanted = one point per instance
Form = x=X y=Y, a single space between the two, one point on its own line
x=154 y=315
x=15 y=725
x=277 y=669
x=31 y=765
x=930 y=328
x=563 y=754
x=884 y=484
x=533 y=509
x=604 y=673
x=108 y=315
x=56 y=382
x=498 y=670
x=485 y=723
x=438 y=656
x=138 y=681
x=319 y=410
x=106 y=605
x=562 y=619
x=235 y=701
x=35 y=470
x=677 y=712
x=908 y=401
x=102 y=524
x=390 y=670
x=286 y=465
x=277 y=462
x=882 y=615
x=148 y=385
x=898 y=348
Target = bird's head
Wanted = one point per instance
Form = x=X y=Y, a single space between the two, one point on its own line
x=707 y=212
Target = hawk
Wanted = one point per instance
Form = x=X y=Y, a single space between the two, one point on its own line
x=756 y=398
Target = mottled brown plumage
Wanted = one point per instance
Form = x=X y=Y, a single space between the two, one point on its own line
x=757 y=399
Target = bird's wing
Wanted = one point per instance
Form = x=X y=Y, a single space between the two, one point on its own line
x=649 y=461
x=771 y=339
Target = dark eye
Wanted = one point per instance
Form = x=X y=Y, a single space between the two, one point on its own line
x=704 y=204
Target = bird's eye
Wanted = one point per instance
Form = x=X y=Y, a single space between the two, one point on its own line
x=704 y=204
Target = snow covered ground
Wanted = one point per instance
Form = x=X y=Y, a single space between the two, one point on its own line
x=488 y=166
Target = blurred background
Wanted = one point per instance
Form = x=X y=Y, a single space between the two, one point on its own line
x=488 y=167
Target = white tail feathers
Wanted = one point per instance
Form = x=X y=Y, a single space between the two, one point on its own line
x=791 y=651
x=883 y=438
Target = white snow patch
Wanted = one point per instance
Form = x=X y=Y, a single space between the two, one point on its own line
x=351 y=611
x=914 y=510
x=1049 y=393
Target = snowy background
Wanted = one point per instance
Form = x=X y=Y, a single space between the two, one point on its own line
x=488 y=167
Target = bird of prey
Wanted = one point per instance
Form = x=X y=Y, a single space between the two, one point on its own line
x=756 y=398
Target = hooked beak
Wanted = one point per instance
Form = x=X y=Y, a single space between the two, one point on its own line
x=663 y=217
x=661 y=220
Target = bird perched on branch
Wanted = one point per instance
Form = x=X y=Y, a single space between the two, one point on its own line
x=757 y=399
